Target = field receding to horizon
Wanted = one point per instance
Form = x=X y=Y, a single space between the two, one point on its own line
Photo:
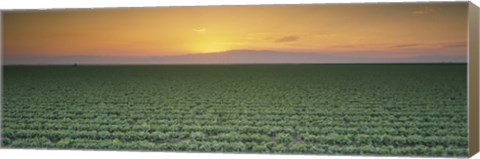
x=373 y=109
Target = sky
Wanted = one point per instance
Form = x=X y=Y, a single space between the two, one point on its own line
x=373 y=32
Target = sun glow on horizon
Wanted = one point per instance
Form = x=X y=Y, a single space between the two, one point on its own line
x=205 y=42
x=386 y=30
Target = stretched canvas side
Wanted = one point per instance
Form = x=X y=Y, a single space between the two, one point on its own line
x=473 y=79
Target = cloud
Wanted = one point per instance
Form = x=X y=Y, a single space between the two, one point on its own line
x=257 y=36
x=200 y=30
x=445 y=45
x=344 y=46
x=454 y=44
x=406 y=45
x=425 y=10
x=324 y=35
x=286 y=39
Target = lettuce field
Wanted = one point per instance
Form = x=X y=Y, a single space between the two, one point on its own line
x=357 y=109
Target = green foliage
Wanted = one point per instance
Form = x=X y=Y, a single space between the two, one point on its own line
x=116 y=142
x=197 y=136
x=283 y=138
x=317 y=109
x=6 y=141
x=63 y=143
x=279 y=148
x=260 y=148
x=298 y=148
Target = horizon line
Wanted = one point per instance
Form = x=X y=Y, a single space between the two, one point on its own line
x=359 y=63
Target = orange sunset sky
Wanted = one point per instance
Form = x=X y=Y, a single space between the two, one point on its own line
x=387 y=31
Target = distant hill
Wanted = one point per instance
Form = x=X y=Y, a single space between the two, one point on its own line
x=230 y=57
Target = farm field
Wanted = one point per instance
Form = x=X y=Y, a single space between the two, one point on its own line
x=369 y=109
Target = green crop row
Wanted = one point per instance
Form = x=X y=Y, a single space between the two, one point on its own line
x=314 y=109
x=215 y=146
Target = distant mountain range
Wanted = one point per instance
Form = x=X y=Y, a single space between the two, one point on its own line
x=228 y=57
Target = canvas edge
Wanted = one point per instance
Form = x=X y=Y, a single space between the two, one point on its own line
x=473 y=81
x=1 y=75
x=473 y=66
x=226 y=4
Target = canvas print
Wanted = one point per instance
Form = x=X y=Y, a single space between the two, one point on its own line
x=386 y=79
